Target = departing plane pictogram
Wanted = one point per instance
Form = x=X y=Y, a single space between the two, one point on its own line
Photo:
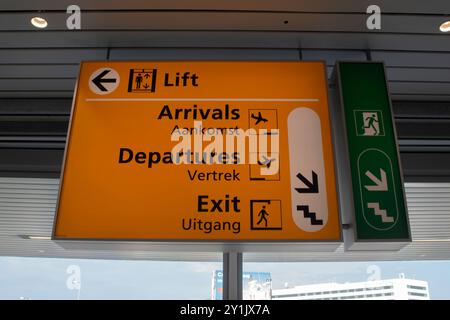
x=266 y=161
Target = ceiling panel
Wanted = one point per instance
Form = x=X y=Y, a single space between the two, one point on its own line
x=52 y=56
x=414 y=6
x=205 y=54
x=226 y=21
x=31 y=84
x=38 y=71
x=331 y=56
x=425 y=88
x=414 y=59
x=38 y=94
x=418 y=74
x=420 y=97
x=224 y=39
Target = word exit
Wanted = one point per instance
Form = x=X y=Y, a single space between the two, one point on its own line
x=227 y=204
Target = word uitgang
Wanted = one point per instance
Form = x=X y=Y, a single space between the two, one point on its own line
x=210 y=226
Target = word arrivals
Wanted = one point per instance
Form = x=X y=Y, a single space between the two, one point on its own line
x=189 y=309
x=210 y=226
x=195 y=113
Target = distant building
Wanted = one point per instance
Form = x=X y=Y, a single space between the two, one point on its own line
x=393 y=289
x=255 y=285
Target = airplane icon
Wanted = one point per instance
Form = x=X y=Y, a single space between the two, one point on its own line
x=258 y=118
x=267 y=162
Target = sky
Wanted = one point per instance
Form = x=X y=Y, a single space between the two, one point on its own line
x=47 y=278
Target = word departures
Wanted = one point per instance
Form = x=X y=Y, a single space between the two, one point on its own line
x=199 y=151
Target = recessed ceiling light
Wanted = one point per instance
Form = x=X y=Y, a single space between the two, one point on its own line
x=39 y=22
x=445 y=27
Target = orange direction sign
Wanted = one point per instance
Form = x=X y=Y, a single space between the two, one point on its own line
x=144 y=160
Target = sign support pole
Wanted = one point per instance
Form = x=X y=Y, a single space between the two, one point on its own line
x=232 y=276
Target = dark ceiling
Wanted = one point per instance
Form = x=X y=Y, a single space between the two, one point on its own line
x=44 y=63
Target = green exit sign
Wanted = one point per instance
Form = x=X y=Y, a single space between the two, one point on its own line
x=380 y=211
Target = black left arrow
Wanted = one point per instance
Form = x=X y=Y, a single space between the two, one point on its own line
x=98 y=80
x=312 y=187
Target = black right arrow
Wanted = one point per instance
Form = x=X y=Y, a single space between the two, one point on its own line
x=312 y=187
x=98 y=80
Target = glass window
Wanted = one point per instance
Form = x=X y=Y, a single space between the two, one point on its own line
x=416 y=287
x=50 y=278
x=417 y=294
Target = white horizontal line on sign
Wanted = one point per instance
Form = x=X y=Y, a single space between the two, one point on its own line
x=200 y=99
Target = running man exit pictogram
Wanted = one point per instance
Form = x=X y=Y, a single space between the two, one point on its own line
x=369 y=122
